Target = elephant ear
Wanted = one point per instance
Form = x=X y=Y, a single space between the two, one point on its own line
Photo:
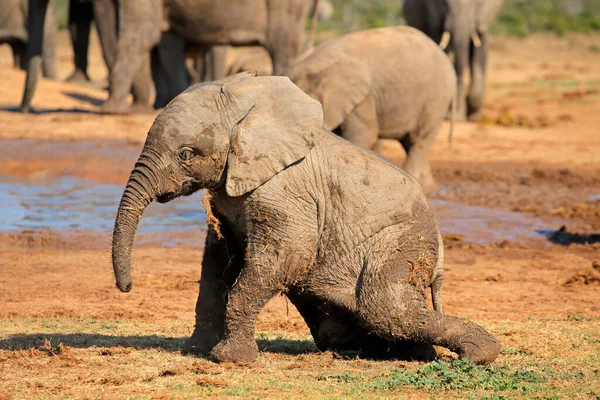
x=486 y=13
x=338 y=81
x=276 y=126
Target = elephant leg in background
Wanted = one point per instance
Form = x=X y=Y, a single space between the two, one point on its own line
x=361 y=127
x=171 y=53
x=461 y=60
x=49 y=63
x=105 y=13
x=19 y=50
x=409 y=318
x=221 y=265
x=159 y=77
x=139 y=32
x=35 y=20
x=80 y=20
x=478 y=74
x=141 y=87
x=417 y=148
x=219 y=62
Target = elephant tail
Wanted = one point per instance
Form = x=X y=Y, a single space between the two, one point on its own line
x=438 y=278
x=452 y=119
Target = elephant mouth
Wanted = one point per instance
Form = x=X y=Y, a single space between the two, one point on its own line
x=187 y=188
x=167 y=197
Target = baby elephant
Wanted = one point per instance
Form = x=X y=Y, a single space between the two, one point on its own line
x=388 y=83
x=293 y=209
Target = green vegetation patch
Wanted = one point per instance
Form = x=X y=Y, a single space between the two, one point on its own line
x=462 y=375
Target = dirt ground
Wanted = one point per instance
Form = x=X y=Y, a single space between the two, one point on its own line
x=66 y=331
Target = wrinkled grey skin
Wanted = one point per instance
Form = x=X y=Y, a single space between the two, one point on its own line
x=388 y=83
x=347 y=236
x=467 y=21
x=14 y=32
x=276 y=25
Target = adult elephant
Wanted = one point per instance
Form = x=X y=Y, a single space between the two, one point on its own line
x=14 y=32
x=278 y=25
x=105 y=14
x=460 y=26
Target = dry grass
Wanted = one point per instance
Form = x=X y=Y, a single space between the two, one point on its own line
x=86 y=358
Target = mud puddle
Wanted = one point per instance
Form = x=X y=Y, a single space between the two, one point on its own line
x=70 y=203
x=67 y=186
x=483 y=225
x=73 y=204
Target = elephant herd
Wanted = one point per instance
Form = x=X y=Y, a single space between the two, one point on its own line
x=345 y=235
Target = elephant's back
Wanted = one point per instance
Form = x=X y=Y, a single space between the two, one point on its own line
x=367 y=185
x=200 y=21
x=401 y=48
x=412 y=78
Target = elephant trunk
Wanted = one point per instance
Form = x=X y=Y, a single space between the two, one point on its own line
x=35 y=27
x=139 y=192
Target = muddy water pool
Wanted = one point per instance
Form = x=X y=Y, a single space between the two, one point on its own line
x=78 y=191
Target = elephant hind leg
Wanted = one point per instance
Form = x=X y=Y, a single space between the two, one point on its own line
x=361 y=126
x=417 y=147
x=398 y=311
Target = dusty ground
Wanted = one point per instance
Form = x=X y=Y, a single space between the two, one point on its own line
x=65 y=331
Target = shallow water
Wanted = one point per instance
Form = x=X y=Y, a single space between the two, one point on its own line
x=72 y=203
x=65 y=193
x=484 y=225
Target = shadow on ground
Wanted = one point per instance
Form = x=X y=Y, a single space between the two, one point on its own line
x=562 y=237
x=41 y=111
x=85 y=98
x=51 y=344
x=86 y=340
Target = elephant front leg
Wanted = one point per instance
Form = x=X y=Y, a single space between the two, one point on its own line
x=269 y=266
x=221 y=266
x=258 y=283
x=478 y=72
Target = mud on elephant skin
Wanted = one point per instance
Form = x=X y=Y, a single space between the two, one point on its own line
x=293 y=209
x=461 y=27
x=388 y=83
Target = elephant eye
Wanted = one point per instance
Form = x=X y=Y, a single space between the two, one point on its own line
x=186 y=153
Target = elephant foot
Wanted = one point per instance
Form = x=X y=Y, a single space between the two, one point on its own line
x=78 y=76
x=112 y=107
x=201 y=344
x=476 y=117
x=426 y=180
x=479 y=346
x=235 y=351
x=140 y=108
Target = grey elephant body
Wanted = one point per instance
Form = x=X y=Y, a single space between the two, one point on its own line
x=466 y=22
x=390 y=83
x=278 y=25
x=13 y=31
x=293 y=209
